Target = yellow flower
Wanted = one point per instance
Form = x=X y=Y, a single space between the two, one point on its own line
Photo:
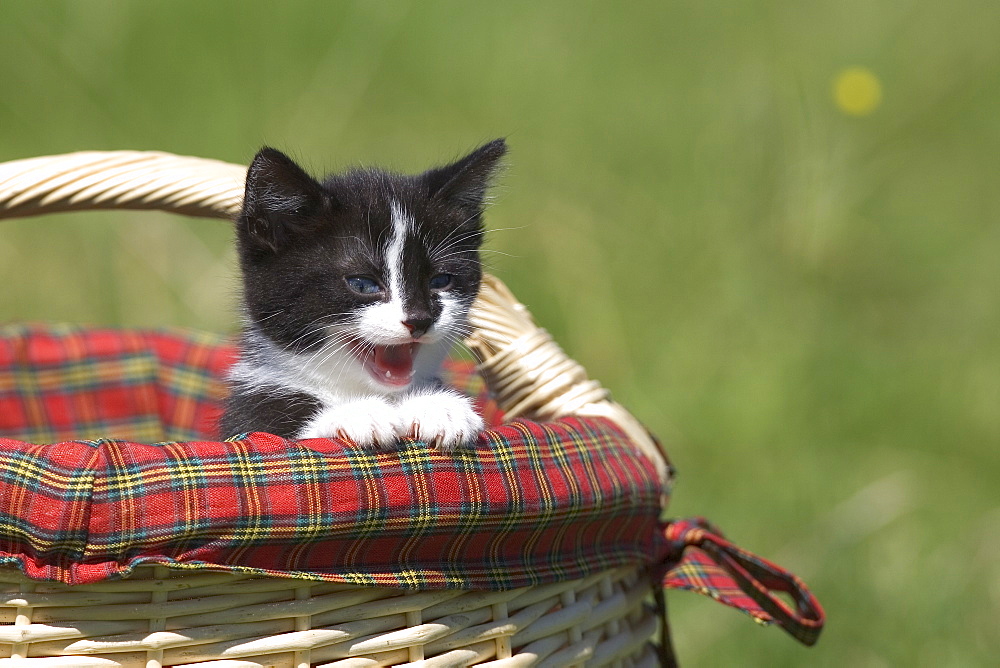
x=857 y=91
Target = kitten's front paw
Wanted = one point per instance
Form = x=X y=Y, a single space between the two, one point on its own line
x=370 y=422
x=441 y=417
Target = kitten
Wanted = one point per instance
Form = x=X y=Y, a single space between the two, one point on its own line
x=354 y=290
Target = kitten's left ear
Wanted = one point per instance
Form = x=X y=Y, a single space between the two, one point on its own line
x=280 y=201
x=464 y=183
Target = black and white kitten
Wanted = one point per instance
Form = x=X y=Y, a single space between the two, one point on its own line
x=354 y=291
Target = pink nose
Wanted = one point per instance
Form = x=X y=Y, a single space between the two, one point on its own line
x=417 y=326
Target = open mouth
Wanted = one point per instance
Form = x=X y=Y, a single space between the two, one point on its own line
x=388 y=364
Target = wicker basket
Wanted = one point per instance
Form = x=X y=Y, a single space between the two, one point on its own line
x=160 y=616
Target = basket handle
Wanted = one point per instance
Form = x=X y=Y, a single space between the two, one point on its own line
x=528 y=372
x=121 y=180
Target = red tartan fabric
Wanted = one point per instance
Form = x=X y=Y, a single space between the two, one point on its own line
x=61 y=382
x=695 y=556
x=512 y=512
x=530 y=503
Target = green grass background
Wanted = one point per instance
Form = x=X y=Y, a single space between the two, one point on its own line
x=802 y=304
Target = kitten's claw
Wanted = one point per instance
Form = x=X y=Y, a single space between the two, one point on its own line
x=440 y=418
x=369 y=423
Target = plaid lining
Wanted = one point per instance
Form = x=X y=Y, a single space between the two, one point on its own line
x=530 y=503
x=62 y=382
x=80 y=512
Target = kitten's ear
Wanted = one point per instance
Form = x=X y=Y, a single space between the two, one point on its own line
x=281 y=200
x=465 y=182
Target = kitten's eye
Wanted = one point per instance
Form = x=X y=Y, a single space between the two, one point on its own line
x=363 y=285
x=441 y=281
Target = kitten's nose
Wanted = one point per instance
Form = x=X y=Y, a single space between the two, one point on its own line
x=418 y=326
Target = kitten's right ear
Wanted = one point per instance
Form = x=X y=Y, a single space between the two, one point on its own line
x=280 y=201
x=465 y=182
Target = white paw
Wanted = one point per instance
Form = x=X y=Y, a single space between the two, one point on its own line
x=440 y=417
x=368 y=422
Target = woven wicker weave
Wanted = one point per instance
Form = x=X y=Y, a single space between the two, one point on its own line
x=168 y=617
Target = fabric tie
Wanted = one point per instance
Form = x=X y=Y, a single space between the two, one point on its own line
x=694 y=555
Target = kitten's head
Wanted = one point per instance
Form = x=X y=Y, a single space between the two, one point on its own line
x=364 y=272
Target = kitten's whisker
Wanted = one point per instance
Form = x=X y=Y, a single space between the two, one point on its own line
x=268 y=317
x=314 y=327
x=326 y=351
x=456 y=254
x=366 y=348
x=506 y=229
x=441 y=243
x=368 y=219
x=448 y=243
x=469 y=235
x=453 y=231
x=490 y=251
x=325 y=345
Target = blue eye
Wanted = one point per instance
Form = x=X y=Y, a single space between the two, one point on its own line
x=363 y=285
x=441 y=281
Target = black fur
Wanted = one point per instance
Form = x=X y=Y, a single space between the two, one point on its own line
x=280 y=414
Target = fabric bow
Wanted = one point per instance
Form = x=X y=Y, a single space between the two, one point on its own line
x=695 y=556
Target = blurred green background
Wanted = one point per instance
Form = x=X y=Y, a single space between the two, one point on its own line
x=801 y=301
